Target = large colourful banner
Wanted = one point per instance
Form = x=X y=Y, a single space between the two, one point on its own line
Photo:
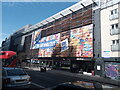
x=35 y=39
x=82 y=41
x=73 y=43
x=64 y=45
x=48 y=44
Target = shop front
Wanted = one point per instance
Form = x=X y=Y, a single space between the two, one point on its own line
x=108 y=68
x=82 y=66
x=46 y=63
x=61 y=64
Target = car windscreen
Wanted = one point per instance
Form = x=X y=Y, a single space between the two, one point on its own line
x=16 y=72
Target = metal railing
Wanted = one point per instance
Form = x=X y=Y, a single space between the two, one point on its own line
x=114 y=16
x=115 y=47
x=114 y=31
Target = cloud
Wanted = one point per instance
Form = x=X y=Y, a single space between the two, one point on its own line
x=3 y=34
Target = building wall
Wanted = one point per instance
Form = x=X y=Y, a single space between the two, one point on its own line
x=119 y=22
x=79 y=22
x=6 y=45
x=106 y=37
x=19 y=39
x=27 y=44
x=17 y=44
x=97 y=36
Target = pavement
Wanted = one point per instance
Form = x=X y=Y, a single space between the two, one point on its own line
x=36 y=68
x=83 y=76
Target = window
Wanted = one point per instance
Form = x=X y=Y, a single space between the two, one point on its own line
x=113 y=14
x=115 y=45
x=114 y=26
x=115 y=11
x=108 y=0
x=16 y=72
x=2 y=53
x=114 y=29
x=113 y=42
x=117 y=41
x=3 y=73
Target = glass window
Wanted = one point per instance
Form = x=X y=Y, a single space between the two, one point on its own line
x=117 y=41
x=115 y=11
x=108 y=0
x=112 y=26
x=3 y=73
x=112 y=12
x=2 y=53
x=16 y=72
x=116 y=25
x=113 y=41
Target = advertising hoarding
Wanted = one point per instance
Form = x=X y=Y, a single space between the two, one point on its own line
x=47 y=45
x=73 y=43
x=64 y=46
x=82 y=41
x=36 y=36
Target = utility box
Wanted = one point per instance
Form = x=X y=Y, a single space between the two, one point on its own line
x=99 y=68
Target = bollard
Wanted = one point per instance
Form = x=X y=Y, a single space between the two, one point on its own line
x=92 y=73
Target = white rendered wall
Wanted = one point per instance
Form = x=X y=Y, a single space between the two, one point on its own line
x=106 y=38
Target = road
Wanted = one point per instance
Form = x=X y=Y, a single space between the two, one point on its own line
x=54 y=77
x=49 y=78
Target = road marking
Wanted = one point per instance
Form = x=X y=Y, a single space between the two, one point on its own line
x=38 y=85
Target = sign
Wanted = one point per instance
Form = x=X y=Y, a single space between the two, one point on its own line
x=98 y=67
x=47 y=45
x=64 y=45
x=106 y=54
x=35 y=39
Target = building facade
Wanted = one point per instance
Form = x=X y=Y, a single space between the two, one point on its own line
x=19 y=38
x=84 y=37
x=7 y=44
x=109 y=63
x=70 y=39
x=110 y=31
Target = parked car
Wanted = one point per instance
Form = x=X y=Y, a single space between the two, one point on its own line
x=15 y=78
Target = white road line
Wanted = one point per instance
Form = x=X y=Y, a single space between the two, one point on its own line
x=38 y=85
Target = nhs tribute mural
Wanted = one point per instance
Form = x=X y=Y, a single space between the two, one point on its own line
x=73 y=43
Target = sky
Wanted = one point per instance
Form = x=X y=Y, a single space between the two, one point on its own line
x=15 y=15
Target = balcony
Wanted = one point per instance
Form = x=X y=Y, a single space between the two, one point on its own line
x=114 y=31
x=115 y=47
x=114 y=16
